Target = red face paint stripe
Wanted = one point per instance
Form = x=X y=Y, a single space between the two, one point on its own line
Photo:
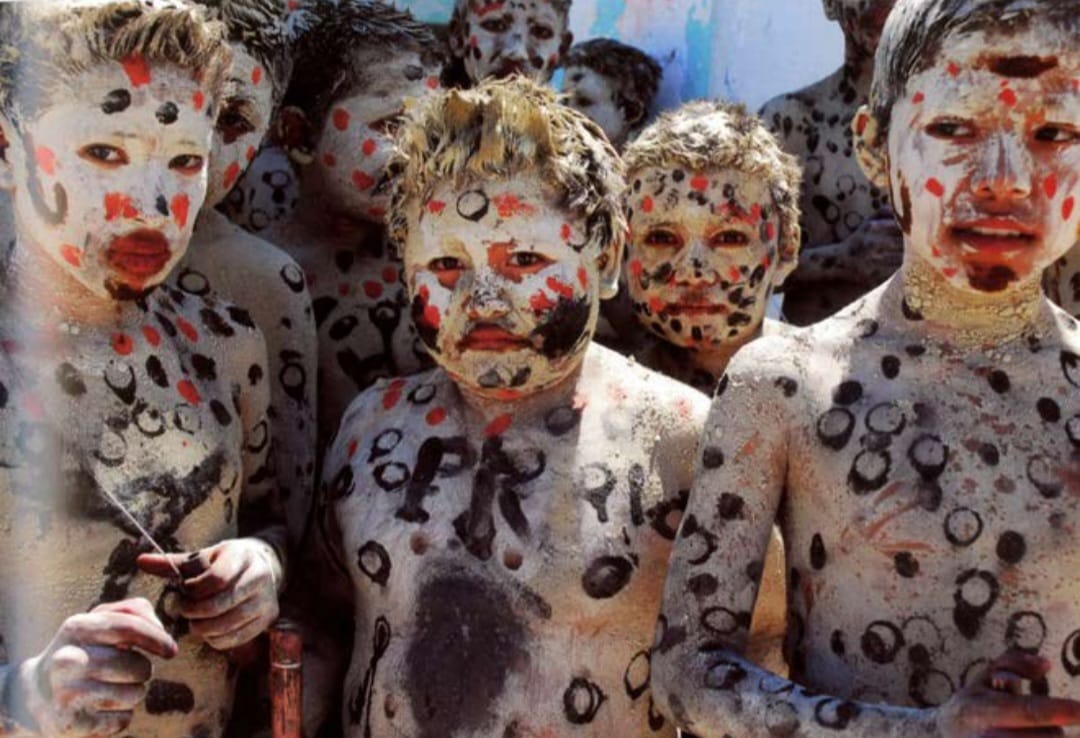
x=151 y=335
x=46 y=160
x=1067 y=208
x=136 y=69
x=561 y=288
x=180 y=206
x=1050 y=186
x=231 y=175
x=71 y=255
x=341 y=119
x=256 y=75
x=198 y=100
x=187 y=329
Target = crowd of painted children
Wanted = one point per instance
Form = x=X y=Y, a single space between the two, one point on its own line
x=314 y=310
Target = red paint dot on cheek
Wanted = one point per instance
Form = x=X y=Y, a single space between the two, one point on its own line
x=498 y=426
x=122 y=344
x=934 y=187
x=560 y=288
x=1050 y=186
x=151 y=335
x=198 y=100
x=635 y=268
x=136 y=69
x=180 y=206
x=188 y=391
x=362 y=181
x=368 y=147
x=647 y=205
x=256 y=75
x=329 y=159
x=46 y=160
x=436 y=416
x=341 y=119
x=952 y=69
x=917 y=98
x=1008 y=97
x=373 y=289
x=1067 y=208
x=583 y=278
x=71 y=255
x=232 y=172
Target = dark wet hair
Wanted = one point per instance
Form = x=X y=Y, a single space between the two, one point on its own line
x=917 y=29
x=636 y=74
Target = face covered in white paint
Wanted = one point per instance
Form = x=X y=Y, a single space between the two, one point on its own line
x=501 y=38
x=984 y=157
x=595 y=96
x=108 y=182
x=861 y=20
x=505 y=288
x=356 y=139
x=242 y=123
x=703 y=254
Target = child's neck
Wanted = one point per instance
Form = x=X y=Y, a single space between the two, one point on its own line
x=966 y=318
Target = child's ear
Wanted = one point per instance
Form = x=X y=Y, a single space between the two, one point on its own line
x=7 y=135
x=293 y=132
x=871 y=147
x=790 y=241
x=608 y=266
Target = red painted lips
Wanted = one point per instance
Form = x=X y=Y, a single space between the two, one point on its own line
x=488 y=337
x=139 y=254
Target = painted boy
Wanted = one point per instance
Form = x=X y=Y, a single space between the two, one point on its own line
x=357 y=63
x=224 y=260
x=130 y=410
x=922 y=443
x=506 y=37
x=503 y=521
x=612 y=83
x=851 y=243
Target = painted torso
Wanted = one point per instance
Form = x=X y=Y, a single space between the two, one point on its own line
x=930 y=506
x=507 y=578
x=361 y=312
x=224 y=260
x=166 y=414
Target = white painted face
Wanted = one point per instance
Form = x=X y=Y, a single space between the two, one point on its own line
x=242 y=123
x=356 y=139
x=984 y=157
x=108 y=182
x=498 y=39
x=702 y=258
x=504 y=294
x=593 y=94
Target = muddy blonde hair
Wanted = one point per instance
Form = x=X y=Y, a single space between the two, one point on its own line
x=718 y=135
x=44 y=45
x=504 y=128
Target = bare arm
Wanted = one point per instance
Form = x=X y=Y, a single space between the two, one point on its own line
x=701 y=680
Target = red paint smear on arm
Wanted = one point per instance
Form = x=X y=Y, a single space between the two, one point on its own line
x=136 y=69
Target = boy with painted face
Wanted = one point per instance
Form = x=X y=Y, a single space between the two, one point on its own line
x=505 y=37
x=612 y=83
x=714 y=223
x=225 y=260
x=504 y=520
x=132 y=412
x=922 y=442
x=357 y=63
x=851 y=243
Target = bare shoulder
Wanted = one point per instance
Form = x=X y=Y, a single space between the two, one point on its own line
x=658 y=399
x=213 y=329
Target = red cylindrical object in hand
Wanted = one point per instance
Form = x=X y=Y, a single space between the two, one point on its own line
x=286 y=649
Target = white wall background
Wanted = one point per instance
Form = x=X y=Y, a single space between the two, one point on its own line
x=748 y=50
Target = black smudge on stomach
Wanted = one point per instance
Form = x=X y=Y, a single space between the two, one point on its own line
x=565 y=327
x=465 y=627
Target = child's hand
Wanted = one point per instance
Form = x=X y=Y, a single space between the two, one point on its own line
x=230 y=593
x=89 y=679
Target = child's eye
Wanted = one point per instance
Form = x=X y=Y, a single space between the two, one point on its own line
x=235 y=120
x=187 y=163
x=729 y=238
x=1051 y=133
x=662 y=239
x=104 y=155
x=526 y=259
x=951 y=130
x=495 y=25
x=541 y=32
x=445 y=264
